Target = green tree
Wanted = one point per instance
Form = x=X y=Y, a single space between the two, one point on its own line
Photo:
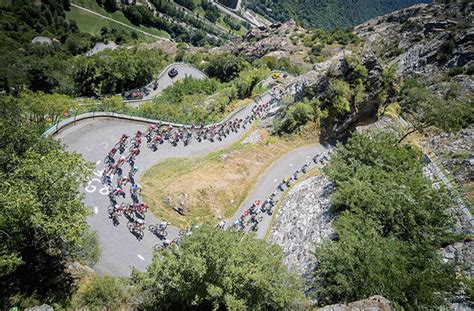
x=362 y=262
x=248 y=79
x=423 y=110
x=224 y=66
x=215 y=269
x=385 y=181
x=298 y=115
x=43 y=219
x=103 y=293
x=392 y=223
x=110 y=5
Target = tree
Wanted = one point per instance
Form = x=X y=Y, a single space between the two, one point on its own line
x=220 y=270
x=423 y=110
x=385 y=181
x=298 y=115
x=224 y=66
x=361 y=262
x=43 y=219
x=103 y=292
x=110 y=5
x=392 y=223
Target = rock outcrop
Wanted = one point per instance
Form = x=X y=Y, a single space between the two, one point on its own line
x=271 y=41
x=303 y=220
x=423 y=38
x=374 y=303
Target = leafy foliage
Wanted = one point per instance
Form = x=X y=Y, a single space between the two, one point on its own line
x=362 y=262
x=346 y=92
x=186 y=102
x=102 y=292
x=112 y=72
x=391 y=226
x=39 y=67
x=423 y=110
x=219 y=269
x=43 y=218
x=225 y=66
x=328 y=13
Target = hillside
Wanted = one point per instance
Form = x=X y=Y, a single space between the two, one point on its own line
x=236 y=166
x=328 y=13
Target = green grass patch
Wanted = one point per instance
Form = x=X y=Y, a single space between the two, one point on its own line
x=92 y=24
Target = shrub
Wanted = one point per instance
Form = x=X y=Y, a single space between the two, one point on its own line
x=102 y=293
x=219 y=269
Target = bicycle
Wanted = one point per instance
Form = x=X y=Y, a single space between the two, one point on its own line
x=136 y=227
x=116 y=211
x=158 y=230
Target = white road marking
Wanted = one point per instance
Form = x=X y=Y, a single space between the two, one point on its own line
x=275 y=180
x=96 y=210
x=291 y=164
x=307 y=157
x=140 y=257
x=104 y=190
x=98 y=162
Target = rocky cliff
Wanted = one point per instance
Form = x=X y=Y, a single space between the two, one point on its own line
x=373 y=303
x=424 y=38
x=304 y=218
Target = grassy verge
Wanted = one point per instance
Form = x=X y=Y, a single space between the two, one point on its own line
x=215 y=184
x=91 y=23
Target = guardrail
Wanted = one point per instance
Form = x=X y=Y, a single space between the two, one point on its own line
x=451 y=185
x=104 y=114
x=54 y=129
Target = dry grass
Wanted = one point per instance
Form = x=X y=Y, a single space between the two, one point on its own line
x=215 y=184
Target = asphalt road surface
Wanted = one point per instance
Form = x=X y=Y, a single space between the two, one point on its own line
x=93 y=139
x=121 y=250
x=270 y=180
x=164 y=80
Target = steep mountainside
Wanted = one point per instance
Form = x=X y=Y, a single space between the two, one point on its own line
x=328 y=13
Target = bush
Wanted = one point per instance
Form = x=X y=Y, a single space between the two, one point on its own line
x=102 y=293
x=452 y=72
x=219 y=269
x=392 y=223
x=224 y=66
x=186 y=102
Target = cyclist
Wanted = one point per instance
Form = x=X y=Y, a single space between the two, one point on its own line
x=119 y=192
x=143 y=207
x=133 y=171
x=162 y=226
x=135 y=189
x=123 y=139
x=304 y=168
x=121 y=161
x=135 y=151
x=166 y=243
x=139 y=224
x=221 y=224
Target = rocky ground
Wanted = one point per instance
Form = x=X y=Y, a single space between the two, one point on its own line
x=374 y=303
x=456 y=152
x=414 y=37
x=273 y=41
x=303 y=219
